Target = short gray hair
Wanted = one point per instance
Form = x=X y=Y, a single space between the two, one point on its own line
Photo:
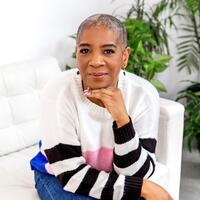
x=107 y=21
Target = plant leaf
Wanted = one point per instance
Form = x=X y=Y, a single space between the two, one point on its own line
x=158 y=85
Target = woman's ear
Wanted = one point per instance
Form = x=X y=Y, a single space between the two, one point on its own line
x=126 y=56
x=76 y=61
x=75 y=50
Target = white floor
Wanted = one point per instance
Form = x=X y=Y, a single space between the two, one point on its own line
x=190 y=176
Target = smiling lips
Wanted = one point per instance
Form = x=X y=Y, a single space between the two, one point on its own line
x=98 y=75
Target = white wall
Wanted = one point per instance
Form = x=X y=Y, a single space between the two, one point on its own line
x=33 y=28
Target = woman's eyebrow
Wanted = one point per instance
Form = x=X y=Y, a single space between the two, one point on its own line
x=109 y=45
x=83 y=45
x=103 y=46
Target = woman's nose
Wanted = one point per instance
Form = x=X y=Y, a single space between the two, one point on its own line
x=96 y=60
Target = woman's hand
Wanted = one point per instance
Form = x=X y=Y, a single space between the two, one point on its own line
x=112 y=100
x=152 y=191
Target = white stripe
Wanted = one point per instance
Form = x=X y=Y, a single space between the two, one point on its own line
x=153 y=156
x=132 y=169
x=119 y=187
x=122 y=149
x=67 y=165
x=43 y=153
x=99 y=185
x=74 y=182
x=149 y=171
x=151 y=165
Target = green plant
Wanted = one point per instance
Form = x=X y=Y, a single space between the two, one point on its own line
x=148 y=41
x=189 y=40
x=189 y=45
x=192 y=113
x=189 y=58
x=144 y=61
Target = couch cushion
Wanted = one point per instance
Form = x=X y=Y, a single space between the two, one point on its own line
x=17 y=180
x=20 y=86
x=161 y=175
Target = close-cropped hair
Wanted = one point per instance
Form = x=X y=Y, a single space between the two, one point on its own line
x=108 y=21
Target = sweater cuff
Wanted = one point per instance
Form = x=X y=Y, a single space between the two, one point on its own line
x=124 y=133
x=132 y=189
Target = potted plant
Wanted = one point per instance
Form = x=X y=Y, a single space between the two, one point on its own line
x=189 y=58
x=148 y=41
x=192 y=113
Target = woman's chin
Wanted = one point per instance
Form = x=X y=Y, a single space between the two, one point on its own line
x=96 y=87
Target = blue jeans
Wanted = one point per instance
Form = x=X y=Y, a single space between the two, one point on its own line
x=49 y=188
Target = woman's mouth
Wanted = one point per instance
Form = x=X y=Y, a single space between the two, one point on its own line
x=98 y=75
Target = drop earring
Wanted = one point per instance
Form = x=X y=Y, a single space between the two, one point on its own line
x=124 y=72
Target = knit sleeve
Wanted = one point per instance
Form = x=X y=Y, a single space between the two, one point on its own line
x=134 y=150
x=63 y=150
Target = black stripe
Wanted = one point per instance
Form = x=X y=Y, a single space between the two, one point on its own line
x=149 y=144
x=127 y=159
x=107 y=192
x=144 y=169
x=124 y=133
x=132 y=188
x=62 y=152
x=88 y=181
x=65 y=176
x=152 y=161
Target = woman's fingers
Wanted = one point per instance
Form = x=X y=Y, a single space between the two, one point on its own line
x=113 y=101
x=98 y=95
x=108 y=91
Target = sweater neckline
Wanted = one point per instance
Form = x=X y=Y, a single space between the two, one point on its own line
x=94 y=109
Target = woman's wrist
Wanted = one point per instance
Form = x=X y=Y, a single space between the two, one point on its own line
x=122 y=121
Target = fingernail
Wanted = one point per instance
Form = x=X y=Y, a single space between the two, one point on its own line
x=87 y=92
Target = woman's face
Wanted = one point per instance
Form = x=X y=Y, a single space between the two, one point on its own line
x=99 y=57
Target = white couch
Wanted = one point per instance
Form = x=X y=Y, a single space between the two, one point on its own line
x=20 y=86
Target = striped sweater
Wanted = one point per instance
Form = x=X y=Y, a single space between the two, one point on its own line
x=83 y=147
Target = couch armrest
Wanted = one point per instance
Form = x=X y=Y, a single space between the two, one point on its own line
x=170 y=137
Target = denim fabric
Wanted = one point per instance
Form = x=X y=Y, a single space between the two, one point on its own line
x=49 y=188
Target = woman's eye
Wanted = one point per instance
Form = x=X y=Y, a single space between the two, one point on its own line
x=109 y=51
x=84 y=51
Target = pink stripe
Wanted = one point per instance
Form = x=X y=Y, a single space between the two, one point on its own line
x=47 y=165
x=100 y=159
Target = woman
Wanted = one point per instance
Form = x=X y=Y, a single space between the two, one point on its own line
x=99 y=123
